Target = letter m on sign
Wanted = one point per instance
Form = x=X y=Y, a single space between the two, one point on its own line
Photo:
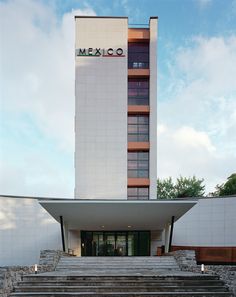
x=80 y=52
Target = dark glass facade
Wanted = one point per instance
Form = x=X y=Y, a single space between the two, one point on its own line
x=138 y=128
x=138 y=56
x=138 y=193
x=115 y=243
x=138 y=164
x=138 y=91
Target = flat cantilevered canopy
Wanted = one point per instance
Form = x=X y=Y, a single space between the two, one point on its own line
x=116 y=214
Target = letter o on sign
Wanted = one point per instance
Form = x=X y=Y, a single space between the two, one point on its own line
x=119 y=51
x=110 y=51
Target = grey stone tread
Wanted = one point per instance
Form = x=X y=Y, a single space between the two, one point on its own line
x=143 y=288
x=122 y=282
x=162 y=275
x=117 y=287
x=129 y=294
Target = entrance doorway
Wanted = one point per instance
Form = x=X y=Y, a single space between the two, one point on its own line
x=115 y=243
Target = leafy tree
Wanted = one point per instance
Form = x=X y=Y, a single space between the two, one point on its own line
x=183 y=188
x=189 y=187
x=228 y=188
x=165 y=189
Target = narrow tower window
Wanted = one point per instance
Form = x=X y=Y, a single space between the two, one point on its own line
x=138 y=55
x=138 y=91
x=138 y=128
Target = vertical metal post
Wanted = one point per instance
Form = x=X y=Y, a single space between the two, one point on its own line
x=62 y=234
x=171 y=232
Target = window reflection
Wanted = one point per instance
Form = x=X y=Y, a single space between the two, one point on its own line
x=138 y=55
x=138 y=91
x=138 y=128
x=138 y=193
x=138 y=164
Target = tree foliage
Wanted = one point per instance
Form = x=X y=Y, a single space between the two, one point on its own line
x=166 y=188
x=227 y=188
x=189 y=187
x=183 y=188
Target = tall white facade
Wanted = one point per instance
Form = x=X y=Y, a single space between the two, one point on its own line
x=101 y=111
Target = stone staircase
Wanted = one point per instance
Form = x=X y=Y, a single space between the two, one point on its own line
x=117 y=265
x=119 y=277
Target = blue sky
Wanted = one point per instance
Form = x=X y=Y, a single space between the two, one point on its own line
x=196 y=89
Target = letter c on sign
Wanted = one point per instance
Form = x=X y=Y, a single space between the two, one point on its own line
x=119 y=51
x=110 y=51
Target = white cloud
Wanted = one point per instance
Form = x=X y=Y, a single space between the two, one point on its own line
x=203 y=88
x=188 y=137
x=38 y=65
x=199 y=111
x=134 y=13
x=37 y=83
x=203 y=3
x=187 y=152
x=36 y=174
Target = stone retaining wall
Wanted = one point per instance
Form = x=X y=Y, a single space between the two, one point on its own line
x=11 y=275
x=187 y=262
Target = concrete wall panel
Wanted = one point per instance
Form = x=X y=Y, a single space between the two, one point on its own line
x=212 y=222
x=25 y=229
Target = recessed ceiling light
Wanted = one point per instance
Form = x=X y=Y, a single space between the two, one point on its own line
x=103 y=226
x=129 y=226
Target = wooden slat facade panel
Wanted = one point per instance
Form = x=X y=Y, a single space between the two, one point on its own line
x=138 y=146
x=211 y=254
x=138 y=34
x=138 y=182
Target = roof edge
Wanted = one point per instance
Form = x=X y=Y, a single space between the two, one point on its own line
x=99 y=17
x=156 y=201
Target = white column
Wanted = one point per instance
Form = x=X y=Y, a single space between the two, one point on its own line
x=167 y=237
x=153 y=108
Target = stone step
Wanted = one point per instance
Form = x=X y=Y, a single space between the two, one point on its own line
x=118 y=264
x=113 y=272
x=118 y=260
x=115 y=288
x=120 y=294
x=64 y=277
x=159 y=267
x=123 y=262
x=115 y=257
x=98 y=267
x=126 y=260
x=123 y=282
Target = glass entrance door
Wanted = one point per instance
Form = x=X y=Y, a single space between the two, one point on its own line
x=115 y=243
x=110 y=242
x=121 y=244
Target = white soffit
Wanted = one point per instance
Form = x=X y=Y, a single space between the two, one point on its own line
x=116 y=214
